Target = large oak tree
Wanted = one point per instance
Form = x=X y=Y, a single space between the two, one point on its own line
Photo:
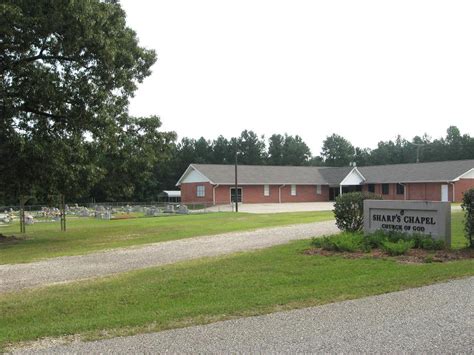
x=67 y=71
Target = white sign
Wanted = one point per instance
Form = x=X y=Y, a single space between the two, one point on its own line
x=424 y=217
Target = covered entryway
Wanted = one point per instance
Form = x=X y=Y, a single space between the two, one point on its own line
x=336 y=191
x=351 y=183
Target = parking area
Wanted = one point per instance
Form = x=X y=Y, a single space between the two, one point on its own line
x=276 y=207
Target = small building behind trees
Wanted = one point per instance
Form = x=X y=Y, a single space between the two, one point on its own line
x=170 y=196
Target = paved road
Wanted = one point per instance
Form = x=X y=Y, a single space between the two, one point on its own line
x=431 y=319
x=18 y=276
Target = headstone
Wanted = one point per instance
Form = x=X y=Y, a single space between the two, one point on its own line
x=29 y=219
x=422 y=217
x=84 y=212
x=169 y=209
x=183 y=209
x=152 y=211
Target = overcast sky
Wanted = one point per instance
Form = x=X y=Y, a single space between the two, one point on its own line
x=367 y=70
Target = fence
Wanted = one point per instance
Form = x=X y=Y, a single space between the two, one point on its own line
x=106 y=211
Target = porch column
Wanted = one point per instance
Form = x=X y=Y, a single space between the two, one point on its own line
x=340 y=189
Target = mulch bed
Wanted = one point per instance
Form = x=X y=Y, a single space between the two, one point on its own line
x=412 y=256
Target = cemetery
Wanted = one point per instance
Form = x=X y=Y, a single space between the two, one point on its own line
x=42 y=214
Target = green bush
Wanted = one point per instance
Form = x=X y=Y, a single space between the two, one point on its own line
x=468 y=206
x=375 y=240
x=394 y=243
x=397 y=248
x=432 y=244
x=420 y=241
x=349 y=242
x=349 y=210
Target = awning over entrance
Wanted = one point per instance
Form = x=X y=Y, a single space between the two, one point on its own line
x=351 y=183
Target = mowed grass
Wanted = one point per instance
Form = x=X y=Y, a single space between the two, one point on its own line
x=208 y=290
x=458 y=240
x=45 y=240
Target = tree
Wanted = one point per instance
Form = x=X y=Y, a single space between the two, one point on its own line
x=287 y=150
x=67 y=69
x=398 y=151
x=222 y=151
x=337 y=151
x=132 y=161
x=202 y=151
x=316 y=161
x=362 y=156
x=251 y=148
x=275 y=149
x=295 y=151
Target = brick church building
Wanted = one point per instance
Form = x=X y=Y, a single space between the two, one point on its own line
x=434 y=181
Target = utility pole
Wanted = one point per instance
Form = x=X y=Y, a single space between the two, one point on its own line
x=418 y=146
x=236 y=195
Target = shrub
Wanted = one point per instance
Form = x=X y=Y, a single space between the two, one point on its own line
x=322 y=242
x=468 y=206
x=394 y=243
x=429 y=259
x=397 y=248
x=375 y=240
x=349 y=210
x=420 y=241
x=432 y=244
x=341 y=242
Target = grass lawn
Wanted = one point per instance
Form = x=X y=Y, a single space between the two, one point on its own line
x=84 y=235
x=207 y=290
x=457 y=230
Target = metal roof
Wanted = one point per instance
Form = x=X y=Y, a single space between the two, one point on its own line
x=311 y=175
x=172 y=193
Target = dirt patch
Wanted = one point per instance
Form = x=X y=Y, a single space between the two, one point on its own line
x=9 y=239
x=123 y=216
x=412 y=256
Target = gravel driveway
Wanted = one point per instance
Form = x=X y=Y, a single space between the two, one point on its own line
x=431 y=319
x=18 y=276
x=275 y=207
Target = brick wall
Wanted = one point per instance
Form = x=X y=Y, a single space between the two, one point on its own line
x=392 y=191
x=254 y=193
x=304 y=193
x=250 y=194
x=461 y=186
x=414 y=191
x=425 y=191
x=188 y=193
x=307 y=193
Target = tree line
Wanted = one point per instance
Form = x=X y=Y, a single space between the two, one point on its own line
x=278 y=149
x=67 y=72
